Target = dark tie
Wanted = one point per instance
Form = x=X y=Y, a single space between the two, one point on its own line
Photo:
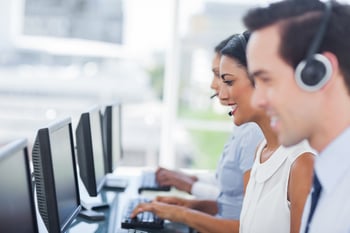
x=317 y=188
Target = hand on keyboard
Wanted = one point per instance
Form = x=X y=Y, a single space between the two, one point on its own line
x=173 y=213
x=188 y=203
x=179 y=180
x=141 y=220
x=148 y=182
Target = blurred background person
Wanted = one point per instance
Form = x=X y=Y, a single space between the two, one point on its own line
x=235 y=161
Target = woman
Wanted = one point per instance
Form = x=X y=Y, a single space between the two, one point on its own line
x=222 y=192
x=291 y=167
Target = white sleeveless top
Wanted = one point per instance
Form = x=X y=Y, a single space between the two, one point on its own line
x=265 y=206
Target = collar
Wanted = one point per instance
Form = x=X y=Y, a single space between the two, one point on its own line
x=334 y=161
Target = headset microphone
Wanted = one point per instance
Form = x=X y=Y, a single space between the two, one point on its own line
x=230 y=113
x=212 y=96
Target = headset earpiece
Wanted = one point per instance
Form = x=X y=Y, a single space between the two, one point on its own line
x=313 y=72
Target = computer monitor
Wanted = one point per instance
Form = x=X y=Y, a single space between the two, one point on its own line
x=90 y=151
x=112 y=145
x=17 y=209
x=56 y=179
x=112 y=136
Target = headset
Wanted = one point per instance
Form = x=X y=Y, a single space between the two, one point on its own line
x=313 y=72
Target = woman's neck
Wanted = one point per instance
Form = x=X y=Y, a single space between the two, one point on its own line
x=271 y=140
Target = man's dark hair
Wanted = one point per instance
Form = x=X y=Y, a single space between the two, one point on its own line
x=299 y=21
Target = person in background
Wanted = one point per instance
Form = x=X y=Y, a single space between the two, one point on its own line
x=281 y=177
x=299 y=59
x=226 y=187
x=235 y=161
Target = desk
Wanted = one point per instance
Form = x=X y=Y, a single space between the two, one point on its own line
x=117 y=199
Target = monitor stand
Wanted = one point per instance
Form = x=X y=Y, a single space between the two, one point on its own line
x=90 y=211
x=91 y=215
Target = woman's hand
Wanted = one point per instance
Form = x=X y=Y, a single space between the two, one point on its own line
x=173 y=213
x=179 y=180
x=176 y=201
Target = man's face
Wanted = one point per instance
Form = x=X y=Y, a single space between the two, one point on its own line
x=276 y=91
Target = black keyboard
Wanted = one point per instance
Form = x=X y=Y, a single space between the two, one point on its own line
x=143 y=220
x=148 y=182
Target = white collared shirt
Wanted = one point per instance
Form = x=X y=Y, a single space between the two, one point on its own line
x=332 y=213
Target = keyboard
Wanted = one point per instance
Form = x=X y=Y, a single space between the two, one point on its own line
x=144 y=220
x=148 y=182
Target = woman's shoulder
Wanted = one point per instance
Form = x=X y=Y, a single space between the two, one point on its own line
x=249 y=132
x=248 y=127
x=302 y=149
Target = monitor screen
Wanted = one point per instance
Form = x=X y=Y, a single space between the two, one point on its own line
x=56 y=176
x=112 y=136
x=90 y=151
x=17 y=211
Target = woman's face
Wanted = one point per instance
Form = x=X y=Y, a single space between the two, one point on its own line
x=217 y=83
x=238 y=89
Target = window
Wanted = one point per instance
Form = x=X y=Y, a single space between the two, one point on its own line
x=60 y=57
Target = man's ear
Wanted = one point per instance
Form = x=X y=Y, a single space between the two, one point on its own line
x=333 y=60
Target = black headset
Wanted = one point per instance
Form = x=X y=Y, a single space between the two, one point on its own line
x=313 y=72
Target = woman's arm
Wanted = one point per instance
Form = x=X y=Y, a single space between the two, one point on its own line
x=206 y=206
x=246 y=177
x=299 y=186
x=199 y=221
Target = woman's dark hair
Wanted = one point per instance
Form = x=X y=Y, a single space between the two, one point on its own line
x=222 y=44
x=236 y=48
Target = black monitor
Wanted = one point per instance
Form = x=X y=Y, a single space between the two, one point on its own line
x=112 y=136
x=17 y=209
x=90 y=151
x=56 y=179
x=112 y=145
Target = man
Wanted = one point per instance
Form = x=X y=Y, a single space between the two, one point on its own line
x=307 y=96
